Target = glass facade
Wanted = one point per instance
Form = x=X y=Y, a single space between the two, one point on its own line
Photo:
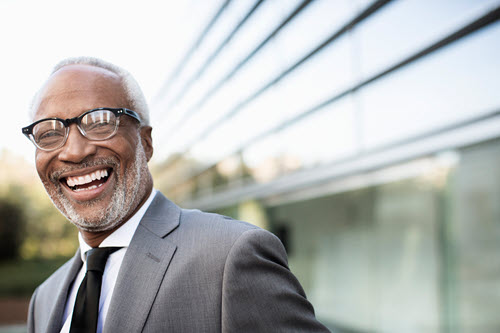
x=316 y=113
x=365 y=134
x=414 y=255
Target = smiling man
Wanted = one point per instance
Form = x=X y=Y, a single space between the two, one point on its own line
x=144 y=264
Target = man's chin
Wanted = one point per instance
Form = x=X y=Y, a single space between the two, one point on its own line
x=93 y=227
x=90 y=216
x=87 y=222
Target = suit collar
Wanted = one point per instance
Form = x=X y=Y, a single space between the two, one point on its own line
x=162 y=216
x=143 y=267
x=55 y=322
x=122 y=236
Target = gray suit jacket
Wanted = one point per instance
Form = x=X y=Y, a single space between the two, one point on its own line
x=189 y=271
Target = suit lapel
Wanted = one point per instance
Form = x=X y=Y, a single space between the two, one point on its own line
x=143 y=268
x=56 y=314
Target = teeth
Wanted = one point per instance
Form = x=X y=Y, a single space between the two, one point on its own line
x=88 y=188
x=85 y=179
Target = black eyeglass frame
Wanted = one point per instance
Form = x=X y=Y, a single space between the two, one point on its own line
x=118 y=112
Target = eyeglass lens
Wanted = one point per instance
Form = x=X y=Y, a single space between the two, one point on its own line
x=49 y=133
x=95 y=125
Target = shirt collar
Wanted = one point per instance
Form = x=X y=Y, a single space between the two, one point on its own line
x=122 y=236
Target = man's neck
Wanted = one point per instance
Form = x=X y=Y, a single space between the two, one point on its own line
x=94 y=239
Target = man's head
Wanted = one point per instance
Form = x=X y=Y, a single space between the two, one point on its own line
x=96 y=184
x=133 y=93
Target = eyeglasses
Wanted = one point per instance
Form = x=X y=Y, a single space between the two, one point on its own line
x=96 y=124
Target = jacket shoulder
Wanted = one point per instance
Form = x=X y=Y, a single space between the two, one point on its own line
x=213 y=226
x=46 y=296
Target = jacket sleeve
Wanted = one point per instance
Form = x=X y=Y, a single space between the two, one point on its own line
x=259 y=293
x=31 y=313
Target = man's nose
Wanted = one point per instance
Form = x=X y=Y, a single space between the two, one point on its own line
x=77 y=147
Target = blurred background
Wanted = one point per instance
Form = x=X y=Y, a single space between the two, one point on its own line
x=365 y=134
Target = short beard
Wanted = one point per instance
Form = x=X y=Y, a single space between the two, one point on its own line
x=127 y=194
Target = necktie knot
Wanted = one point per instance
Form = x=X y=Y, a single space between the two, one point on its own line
x=97 y=257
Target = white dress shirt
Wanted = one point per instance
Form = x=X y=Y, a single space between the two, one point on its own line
x=121 y=237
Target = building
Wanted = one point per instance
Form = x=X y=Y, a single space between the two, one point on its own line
x=366 y=135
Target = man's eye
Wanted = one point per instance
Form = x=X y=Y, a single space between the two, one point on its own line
x=97 y=126
x=50 y=135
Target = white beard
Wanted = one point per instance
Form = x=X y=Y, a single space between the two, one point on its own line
x=128 y=192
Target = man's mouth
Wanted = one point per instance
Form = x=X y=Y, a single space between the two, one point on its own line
x=89 y=181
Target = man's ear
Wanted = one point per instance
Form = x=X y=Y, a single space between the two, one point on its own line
x=147 y=141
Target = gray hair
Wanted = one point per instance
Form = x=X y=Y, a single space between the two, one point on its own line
x=133 y=92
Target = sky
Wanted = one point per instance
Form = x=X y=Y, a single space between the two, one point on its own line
x=147 y=38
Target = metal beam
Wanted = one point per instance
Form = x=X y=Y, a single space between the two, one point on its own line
x=458 y=135
x=236 y=68
x=356 y=20
x=165 y=88
x=483 y=21
x=211 y=58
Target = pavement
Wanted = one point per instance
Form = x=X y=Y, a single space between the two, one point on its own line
x=20 y=328
x=13 y=314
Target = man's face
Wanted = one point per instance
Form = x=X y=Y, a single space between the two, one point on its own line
x=107 y=179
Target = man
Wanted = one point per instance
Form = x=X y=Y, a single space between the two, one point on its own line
x=172 y=270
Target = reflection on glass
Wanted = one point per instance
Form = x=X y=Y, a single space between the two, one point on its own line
x=404 y=27
x=457 y=83
x=366 y=255
x=317 y=23
x=310 y=84
x=321 y=138
x=415 y=255
x=453 y=84
x=474 y=231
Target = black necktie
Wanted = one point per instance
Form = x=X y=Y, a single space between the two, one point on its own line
x=86 y=309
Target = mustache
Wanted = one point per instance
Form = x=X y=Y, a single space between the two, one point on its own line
x=86 y=163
